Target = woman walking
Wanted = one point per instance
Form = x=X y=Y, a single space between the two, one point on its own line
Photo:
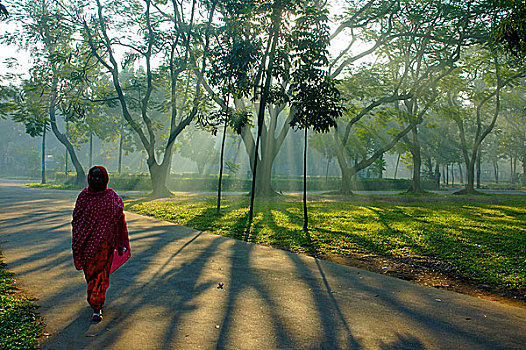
x=99 y=230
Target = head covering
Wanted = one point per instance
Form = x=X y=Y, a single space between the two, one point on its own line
x=98 y=215
x=94 y=183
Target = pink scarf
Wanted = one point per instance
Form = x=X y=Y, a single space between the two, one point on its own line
x=97 y=216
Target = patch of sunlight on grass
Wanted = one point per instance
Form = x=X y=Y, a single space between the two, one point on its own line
x=485 y=241
x=281 y=220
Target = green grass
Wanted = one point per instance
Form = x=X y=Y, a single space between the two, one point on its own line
x=484 y=237
x=20 y=327
x=54 y=186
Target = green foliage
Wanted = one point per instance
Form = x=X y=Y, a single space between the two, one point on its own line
x=314 y=93
x=482 y=238
x=232 y=167
x=20 y=326
x=3 y=11
x=8 y=103
x=199 y=147
x=512 y=28
x=195 y=183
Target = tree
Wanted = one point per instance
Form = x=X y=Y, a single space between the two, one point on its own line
x=169 y=37
x=513 y=127
x=25 y=105
x=32 y=113
x=202 y=155
x=322 y=144
x=313 y=92
x=413 y=56
x=3 y=10
x=484 y=86
x=511 y=30
x=437 y=150
x=233 y=57
x=59 y=69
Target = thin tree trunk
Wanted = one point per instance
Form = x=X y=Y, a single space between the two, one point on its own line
x=90 y=149
x=460 y=173
x=511 y=169
x=416 y=184
x=396 y=167
x=452 y=174
x=345 y=170
x=447 y=174
x=121 y=142
x=496 y=170
x=437 y=175
x=66 y=169
x=515 y=168
x=43 y=177
x=305 y=214
x=81 y=176
x=327 y=171
x=479 y=155
x=221 y=168
x=471 y=177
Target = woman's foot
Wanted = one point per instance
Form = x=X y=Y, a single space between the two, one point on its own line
x=97 y=316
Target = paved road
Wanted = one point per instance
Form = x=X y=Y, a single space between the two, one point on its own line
x=166 y=296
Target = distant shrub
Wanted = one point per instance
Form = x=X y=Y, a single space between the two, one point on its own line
x=192 y=182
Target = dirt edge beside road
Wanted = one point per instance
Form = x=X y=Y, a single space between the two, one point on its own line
x=430 y=273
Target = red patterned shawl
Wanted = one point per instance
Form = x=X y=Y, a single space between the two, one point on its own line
x=97 y=215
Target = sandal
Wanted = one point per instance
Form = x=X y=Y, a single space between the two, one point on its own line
x=97 y=316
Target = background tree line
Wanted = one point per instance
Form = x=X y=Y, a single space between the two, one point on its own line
x=426 y=80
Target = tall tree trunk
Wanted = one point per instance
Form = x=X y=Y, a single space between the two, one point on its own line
x=90 y=149
x=513 y=161
x=396 y=167
x=276 y=29
x=327 y=170
x=159 y=173
x=305 y=214
x=158 y=176
x=345 y=169
x=460 y=173
x=121 y=142
x=437 y=175
x=81 y=175
x=43 y=176
x=515 y=169
x=496 y=170
x=347 y=180
x=453 y=174
x=264 y=177
x=66 y=168
x=511 y=169
x=221 y=161
x=472 y=176
x=479 y=156
x=416 y=183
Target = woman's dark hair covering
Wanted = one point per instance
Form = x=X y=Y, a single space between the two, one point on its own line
x=94 y=184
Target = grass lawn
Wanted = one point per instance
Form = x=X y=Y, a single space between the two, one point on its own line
x=483 y=237
x=20 y=327
x=54 y=186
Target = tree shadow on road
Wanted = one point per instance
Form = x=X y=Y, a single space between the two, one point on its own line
x=169 y=295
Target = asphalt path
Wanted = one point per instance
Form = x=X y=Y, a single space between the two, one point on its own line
x=167 y=295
